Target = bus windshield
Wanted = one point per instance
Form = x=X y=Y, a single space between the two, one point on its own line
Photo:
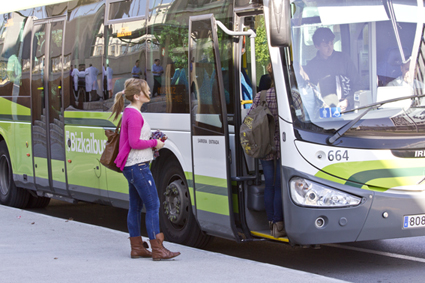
x=351 y=54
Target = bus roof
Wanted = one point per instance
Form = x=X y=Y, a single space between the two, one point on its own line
x=10 y=6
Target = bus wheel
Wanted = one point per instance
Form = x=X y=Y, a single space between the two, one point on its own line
x=10 y=195
x=177 y=220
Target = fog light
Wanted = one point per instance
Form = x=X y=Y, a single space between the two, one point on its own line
x=320 y=222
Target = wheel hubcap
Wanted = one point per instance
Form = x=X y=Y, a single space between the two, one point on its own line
x=176 y=204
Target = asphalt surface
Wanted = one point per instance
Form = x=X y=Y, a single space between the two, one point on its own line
x=40 y=248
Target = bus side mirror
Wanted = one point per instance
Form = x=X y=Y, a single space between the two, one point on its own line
x=280 y=23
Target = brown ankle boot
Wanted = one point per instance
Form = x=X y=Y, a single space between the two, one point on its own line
x=139 y=248
x=158 y=250
x=278 y=230
x=271 y=227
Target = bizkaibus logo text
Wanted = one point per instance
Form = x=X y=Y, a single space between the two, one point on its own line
x=79 y=143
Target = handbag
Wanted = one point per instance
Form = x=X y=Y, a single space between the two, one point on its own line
x=111 y=149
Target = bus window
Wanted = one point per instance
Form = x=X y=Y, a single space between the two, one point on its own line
x=167 y=58
x=263 y=80
x=225 y=47
x=388 y=56
x=11 y=29
x=84 y=49
x=125 y=56
x=367 y=63
x=206 y=99
x=126 y=9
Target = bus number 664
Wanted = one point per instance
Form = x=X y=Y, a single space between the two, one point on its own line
x=337 y=155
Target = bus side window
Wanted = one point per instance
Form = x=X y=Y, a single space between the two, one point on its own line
x=84 y=75
x=11 y=30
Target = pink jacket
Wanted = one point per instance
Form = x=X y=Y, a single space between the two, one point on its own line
x=131 y=127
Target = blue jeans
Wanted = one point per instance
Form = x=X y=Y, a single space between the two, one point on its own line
x=142 y=190
x=272 y=193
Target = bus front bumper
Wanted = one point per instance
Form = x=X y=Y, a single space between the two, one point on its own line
x=380 y=215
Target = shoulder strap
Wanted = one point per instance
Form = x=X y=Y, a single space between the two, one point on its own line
x=263 y=97
x=118 y=126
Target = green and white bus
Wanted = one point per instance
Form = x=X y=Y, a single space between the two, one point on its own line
x=348 y=175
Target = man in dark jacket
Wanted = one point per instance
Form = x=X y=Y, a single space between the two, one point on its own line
x=332 y=71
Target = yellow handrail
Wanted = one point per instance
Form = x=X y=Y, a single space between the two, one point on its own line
x=243 y=102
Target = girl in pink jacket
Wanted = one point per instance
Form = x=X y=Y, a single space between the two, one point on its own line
x=134 y=156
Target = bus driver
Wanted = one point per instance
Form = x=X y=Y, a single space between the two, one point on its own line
x=332 y=71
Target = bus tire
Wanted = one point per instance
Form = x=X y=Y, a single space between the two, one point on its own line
x=177 y=221
x=10 y=195
x=38 y=202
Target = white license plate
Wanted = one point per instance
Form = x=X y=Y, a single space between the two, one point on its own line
x=414 y=221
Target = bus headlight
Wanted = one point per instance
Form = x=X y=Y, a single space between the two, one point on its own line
x=307 y=193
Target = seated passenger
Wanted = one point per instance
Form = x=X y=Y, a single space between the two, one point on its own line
x=405 y=79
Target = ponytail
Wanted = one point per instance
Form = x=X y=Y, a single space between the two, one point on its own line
x=131 y=87
x=118 y=105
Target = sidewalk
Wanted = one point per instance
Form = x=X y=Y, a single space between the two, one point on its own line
x=39 y=248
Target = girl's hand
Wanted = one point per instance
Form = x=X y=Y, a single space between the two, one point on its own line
x=159 y=144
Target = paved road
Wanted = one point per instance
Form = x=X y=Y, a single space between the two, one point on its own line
x=395 y=260
x=40 y=248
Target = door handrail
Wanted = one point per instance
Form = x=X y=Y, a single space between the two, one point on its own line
x=252 y=36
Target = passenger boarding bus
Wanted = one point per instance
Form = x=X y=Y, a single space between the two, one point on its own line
x=351 y=130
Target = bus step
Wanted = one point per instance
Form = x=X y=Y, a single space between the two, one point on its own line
x=266 y=234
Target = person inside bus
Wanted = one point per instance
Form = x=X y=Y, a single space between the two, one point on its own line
x=136 y=70
x=332 y=71
x=134 y=156
x=107 y=81
x=74 y=75
x=265 y=82
x=91 y=83
x=272 y=191
x=405 y=79
x=157 y=72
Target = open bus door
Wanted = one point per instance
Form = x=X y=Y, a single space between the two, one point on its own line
x=47 y=108
x=209 y=130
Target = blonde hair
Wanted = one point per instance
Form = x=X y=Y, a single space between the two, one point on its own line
x=131 y=87
x=270 y=71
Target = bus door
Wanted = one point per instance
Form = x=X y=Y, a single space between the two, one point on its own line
x=46 y=104
x=209 y=130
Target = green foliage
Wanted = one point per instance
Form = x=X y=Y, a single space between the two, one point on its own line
x=174 y=39
x=261 y=47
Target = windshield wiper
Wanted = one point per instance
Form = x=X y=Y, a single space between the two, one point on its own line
x=341 y=131
x=389 y=8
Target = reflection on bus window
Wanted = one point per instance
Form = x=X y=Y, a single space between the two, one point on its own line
x=83 y=74
x=11 y=40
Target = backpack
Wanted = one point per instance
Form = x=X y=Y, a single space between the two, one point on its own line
x=257 y=130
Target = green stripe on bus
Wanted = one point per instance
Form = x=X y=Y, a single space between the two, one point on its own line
x=212 y=203
x=210 y=181
x=389 y=177
x=334 y=179
x=192 y=199
x=8 y=107
x=100 y=119
x=377 y=174
x=87 y=115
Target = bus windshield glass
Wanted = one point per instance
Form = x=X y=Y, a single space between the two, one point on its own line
x=350 y=54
